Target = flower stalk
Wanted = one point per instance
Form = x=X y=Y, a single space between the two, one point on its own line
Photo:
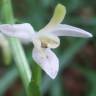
x=18 y=53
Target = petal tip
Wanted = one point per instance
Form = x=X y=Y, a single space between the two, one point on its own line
x=60 y=10
x=89 y=35
x=59 y=14
x=60 y=6
x=53 y=76
x=53 y=73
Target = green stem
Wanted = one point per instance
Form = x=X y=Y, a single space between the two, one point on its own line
x=36 y=73
x=18 y=53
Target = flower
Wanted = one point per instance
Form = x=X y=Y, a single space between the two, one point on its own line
x=46 y=39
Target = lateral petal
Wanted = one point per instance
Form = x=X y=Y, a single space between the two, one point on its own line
x=67 y=30
x=21 y=31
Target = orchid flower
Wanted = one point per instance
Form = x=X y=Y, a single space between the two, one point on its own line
x=46 y=39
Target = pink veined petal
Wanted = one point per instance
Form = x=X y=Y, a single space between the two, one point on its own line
x=21 y=31
x=49 y=63
x=67 y=30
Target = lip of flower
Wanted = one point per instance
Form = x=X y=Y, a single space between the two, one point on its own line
x=45 y=39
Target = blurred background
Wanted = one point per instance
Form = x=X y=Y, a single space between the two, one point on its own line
x=77 y=75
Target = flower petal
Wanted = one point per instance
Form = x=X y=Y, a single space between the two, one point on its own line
x=67 y=30
x=47 y=60
x=57 y=18
x=21 y=31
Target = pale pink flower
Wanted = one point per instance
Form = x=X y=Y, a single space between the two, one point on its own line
x=46 y=39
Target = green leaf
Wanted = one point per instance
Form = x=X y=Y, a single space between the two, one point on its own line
x=70 y=52
x=90 y=74
x=7 y=80
x=56 y=89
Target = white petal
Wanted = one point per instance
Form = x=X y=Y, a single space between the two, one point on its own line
x=21 y=31
x=48 y=61
x=67 y=30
